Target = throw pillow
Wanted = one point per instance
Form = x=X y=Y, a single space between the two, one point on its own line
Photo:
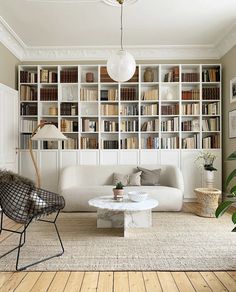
x=120 y=177
x=150 y=177
x=133 y=179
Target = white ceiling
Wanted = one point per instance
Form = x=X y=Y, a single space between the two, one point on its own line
x=91 y=23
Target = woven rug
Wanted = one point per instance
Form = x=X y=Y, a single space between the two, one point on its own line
x=177 y=241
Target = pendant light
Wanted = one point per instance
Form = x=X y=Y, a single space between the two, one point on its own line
x=121 y=64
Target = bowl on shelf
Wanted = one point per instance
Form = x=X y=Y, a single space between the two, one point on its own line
x=136 y=196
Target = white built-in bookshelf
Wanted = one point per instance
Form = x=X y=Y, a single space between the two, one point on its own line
x=180 y=109
x=167 y=120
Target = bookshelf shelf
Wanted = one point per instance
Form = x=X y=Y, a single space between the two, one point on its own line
x=180 y=96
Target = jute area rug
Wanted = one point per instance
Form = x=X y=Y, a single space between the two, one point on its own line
x=177 y=241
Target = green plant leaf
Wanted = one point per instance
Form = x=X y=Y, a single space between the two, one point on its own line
x=233 y=190
x=234 y=230
x=234 y=217
x=232 y=156
x=230 y=177
x=222 y=208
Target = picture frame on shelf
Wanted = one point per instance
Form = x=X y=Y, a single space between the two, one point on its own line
x=233 y=90
x=232 y=124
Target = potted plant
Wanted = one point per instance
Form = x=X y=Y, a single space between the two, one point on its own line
x=118 y=191
x=231 y=187
x=205 y=160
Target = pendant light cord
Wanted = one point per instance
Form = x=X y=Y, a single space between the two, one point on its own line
x=121 y=27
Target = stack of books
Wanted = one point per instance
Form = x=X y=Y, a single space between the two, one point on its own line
x=69 y=75
x=109 y=109
x=150 y=143
x=70 y=143
x=149 y=110
x=192 y=94
x=129 y=126
x=172 y=109
x=190 y=77
x=211 y=142
x=129 y=143
x=110 y=144
x=150 y=126
x=109 y=126
x=28 y=93
x=171 y=125
x=128 y=93
x=129 y=110
x=48 y=76
x=28 y=77
x=212 y=108
x=191 y=142
x=48 y=94
x=89 y=143
x=211 y=75
x=89 y=125
x=88 y=94
x=69 y=126
x=69 y=109
x=210 y=93
x=211 y=124
x=190 y=109
x=29 y=109
x=172 y=75
x=170 y=142
x=192 y=125
x=109 y=94
x=152 y=94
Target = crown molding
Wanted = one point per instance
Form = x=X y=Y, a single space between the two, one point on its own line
x=164 y=52
x=227 y=41
x=11 y=40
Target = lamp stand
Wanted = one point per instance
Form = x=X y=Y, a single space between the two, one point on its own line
x=38 y=179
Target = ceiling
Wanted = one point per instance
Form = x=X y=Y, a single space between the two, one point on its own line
x=92 y=23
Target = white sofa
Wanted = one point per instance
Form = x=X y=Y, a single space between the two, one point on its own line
x=78 y=184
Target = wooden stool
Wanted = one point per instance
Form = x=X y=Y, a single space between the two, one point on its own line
x=207 y=201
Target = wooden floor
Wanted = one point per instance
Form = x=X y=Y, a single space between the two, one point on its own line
x=117 y=281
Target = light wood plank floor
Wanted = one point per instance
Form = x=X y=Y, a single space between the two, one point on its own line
x=154 y=281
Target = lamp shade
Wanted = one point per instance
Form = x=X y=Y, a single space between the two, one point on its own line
x=49 y=132
x=121 y=66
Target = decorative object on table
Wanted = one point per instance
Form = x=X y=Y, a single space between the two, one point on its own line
x=148 y=75
x=121 y=65
x=207 y=199
x=232 y=124
x=205 y=161
x=44 y=132
x=118 y=192
x=231 y=187
x=233 y=90
x=137 y=196
x=89 y=77
x=22 y=202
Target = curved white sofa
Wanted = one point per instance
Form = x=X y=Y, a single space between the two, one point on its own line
x=80 y=183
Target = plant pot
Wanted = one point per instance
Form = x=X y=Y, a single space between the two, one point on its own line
x=209 y=178
x=118 y=194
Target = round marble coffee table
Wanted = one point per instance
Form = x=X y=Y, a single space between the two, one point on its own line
x=125 y=214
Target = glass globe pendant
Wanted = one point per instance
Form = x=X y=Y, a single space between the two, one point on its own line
x=121 y=64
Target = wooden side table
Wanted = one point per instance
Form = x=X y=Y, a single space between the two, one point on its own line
x=207 y=201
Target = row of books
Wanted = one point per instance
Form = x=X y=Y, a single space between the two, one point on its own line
x=24 y=142
x=129 y=126
x=190 y=109
x=150 y=143
x=172 y=75
x=69 y=125
x=211 y=93
x=211 y=142
x=89 y=125
x=109 y=126
x=171 y=125
x=152 y=94
x=129 y=110
x=28 y=109
x=191 y=142
x=128 y=93
x=28 y=93
x=69 y=76
x=149 y=110
x=88 y=143
x=170 y=142
x=211 y=75
x=193 y=94
x=28 y=77
x=88 y=94
x=109 y=109
x=110 y=144
x=129 y=143
x=212 y=108
x=191 y=125
x=69 y=109
x=28 y=125
x=190 y=77
x=48 y=94
x=109 y=94
x=48 y=76
x=104 y=77
x=172 y=109
x=211 y=124
x=149 y=126
x=70 y=143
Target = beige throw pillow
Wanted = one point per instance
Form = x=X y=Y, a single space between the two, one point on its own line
x=150 y=177
x=133 y=179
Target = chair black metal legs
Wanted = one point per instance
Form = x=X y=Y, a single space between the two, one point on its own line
x=23 y=239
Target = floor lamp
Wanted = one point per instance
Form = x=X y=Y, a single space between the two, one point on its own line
x=44 y=132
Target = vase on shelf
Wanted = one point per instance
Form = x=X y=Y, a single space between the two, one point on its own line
x=148 y=75
x=209 y=178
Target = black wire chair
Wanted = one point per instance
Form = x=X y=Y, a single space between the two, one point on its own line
x=25 y=203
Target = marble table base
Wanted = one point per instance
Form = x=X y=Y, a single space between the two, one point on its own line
x=126 y=220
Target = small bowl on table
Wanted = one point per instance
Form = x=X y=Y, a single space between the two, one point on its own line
x=137 y=196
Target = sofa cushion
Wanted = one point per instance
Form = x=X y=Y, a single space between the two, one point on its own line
x=150 y=177
x=133 y=179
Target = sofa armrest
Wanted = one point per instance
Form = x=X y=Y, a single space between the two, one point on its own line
x=68 y=178
x=175 y=177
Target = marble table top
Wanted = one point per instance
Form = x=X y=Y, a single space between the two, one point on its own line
x=107 y=202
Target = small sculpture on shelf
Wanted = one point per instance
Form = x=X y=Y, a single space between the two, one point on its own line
x=90 y=77
x=148 y=75
x=118 y=192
